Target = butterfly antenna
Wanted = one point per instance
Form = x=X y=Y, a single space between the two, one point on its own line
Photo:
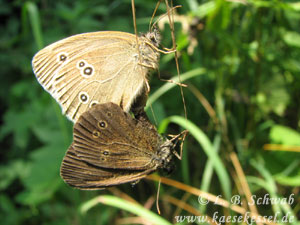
x=163 y=15
x=157 y=196
x=154 y=12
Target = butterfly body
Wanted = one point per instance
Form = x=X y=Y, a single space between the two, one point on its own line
x=97 y=67
x=110 y=148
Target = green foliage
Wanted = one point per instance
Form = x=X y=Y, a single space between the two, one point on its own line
x=243 y=56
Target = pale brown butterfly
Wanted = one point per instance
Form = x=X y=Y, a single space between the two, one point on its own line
x=97 y=67
x=110 y=147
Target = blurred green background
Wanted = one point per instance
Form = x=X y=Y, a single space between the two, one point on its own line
x=241 y=61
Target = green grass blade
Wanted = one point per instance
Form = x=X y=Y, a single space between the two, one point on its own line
x=271 y=188
x=208 y=171
x=124 y=205
x=167 y=86
x=185 y=166
x=34 y=18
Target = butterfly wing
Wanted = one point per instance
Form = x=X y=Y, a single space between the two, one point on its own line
x=105 y=136
x=82 y=175
x=91 y=68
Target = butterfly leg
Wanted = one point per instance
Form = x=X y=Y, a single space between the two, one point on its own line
x=177 y=137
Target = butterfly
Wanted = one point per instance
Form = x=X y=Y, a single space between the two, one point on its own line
x=98 y=67
x=110 y=147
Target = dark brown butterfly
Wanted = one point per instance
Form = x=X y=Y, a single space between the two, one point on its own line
x=110 y=147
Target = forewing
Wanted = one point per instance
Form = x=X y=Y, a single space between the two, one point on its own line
x=107 y=137
x=91 y=68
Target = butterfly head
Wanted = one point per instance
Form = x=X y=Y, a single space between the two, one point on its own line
x=154 y=37
x=165 y=157
x=148 y=49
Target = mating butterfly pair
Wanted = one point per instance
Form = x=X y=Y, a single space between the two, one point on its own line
x=94 y=77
